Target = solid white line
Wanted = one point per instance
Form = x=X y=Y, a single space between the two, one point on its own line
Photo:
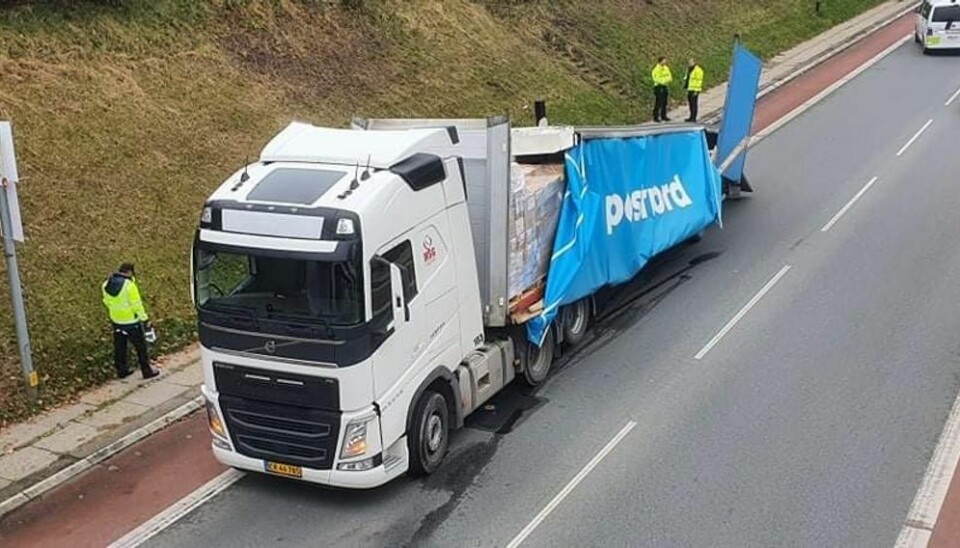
x=179 y=509
x=915 y=137
x=743 y=312
x=952 y=97
x=936 y=481
x=844 y=209
x=832 y=88
x=552 y=505
x=912 y=537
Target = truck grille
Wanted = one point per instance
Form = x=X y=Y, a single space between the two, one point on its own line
x=282 y=433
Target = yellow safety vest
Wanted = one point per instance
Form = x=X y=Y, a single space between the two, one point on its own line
x=125 y=308
x=662 y=75
x=695 y=80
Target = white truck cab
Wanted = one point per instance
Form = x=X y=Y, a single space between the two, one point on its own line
x=321 y=274
x=937 y=25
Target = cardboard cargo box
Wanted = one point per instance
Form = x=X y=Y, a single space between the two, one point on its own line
x=536 y=197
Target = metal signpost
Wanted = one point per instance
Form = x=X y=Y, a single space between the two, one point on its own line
x=13 y=231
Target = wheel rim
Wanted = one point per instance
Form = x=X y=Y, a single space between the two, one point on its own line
x=434 y=433
x=539 y=364
x=579 y=318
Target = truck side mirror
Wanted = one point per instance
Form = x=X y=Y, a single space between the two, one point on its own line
x=400 y=309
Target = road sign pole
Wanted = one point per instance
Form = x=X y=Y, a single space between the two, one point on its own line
x=16 y=292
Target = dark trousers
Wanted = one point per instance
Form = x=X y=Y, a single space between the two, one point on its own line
x=133 y=333
x=661 y=97
x=693 y=99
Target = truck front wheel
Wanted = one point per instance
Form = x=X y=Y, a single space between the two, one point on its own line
x=537 y=361
x=431 y=434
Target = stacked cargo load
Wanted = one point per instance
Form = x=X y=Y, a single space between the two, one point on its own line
x=536 y=194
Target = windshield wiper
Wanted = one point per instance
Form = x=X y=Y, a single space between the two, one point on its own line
x=233 y=311
x=245 y=310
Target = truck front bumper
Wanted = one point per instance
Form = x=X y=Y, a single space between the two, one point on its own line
x=367 y=479
x=394 y=461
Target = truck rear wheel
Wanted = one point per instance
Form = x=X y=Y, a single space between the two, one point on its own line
x=430 y=435
x=576 y=322
x=537 y=361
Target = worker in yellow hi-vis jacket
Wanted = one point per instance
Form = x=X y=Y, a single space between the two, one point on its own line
x=121 y=296
x=693 y=83
x=661 y=94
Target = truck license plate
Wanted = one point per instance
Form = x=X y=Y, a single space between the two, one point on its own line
x=283 y=469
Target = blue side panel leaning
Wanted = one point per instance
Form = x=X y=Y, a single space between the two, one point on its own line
x=627 y=200
x=738 y=110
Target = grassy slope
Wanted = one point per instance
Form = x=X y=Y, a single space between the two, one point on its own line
x=126 y=117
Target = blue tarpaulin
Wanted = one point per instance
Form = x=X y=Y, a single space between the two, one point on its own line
x=738 y=110
x=628 y=199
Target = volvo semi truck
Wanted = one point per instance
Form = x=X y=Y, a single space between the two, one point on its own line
x=358 y=292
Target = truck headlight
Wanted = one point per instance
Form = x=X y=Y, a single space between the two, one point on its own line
x=206 y=215
x=345 y=227
x=216 y=423
x=355 y=440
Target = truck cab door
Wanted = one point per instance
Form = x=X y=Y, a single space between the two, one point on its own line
x=399 y=350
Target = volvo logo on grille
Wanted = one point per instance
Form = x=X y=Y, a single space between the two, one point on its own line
x=270 y=347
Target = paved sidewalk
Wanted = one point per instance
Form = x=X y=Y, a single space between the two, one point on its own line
x=39 y=455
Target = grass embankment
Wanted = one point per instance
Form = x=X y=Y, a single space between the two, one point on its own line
x=127 y=115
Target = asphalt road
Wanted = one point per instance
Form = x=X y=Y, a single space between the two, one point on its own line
x=810 y=423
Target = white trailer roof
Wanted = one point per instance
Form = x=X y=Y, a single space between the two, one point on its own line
x=301 y=142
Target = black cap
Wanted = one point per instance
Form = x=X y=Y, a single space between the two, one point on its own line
x=126 y=267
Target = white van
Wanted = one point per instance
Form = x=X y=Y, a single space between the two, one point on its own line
x=938 y=25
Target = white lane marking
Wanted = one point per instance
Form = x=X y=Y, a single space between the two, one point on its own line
x=179 y=509
x=915 y=137
x=911 y=537
x=743 y=312
x=844 y=209
x=552 y=505
x=952 y=97
x=832 y=88
x=936 y=481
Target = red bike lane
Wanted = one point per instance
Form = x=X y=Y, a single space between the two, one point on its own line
x=946 y=533
x=119 y=494
x=128 y=489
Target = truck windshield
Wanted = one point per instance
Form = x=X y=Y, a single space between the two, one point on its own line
x=324 y=292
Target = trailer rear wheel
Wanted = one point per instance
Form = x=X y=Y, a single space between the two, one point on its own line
x=537 y=361
x=576 y=322
x=430 y=435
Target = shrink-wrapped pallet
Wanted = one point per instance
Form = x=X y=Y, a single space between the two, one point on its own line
x=536 y=195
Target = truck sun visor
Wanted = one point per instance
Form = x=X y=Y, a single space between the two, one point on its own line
x=420 y=170
x=295 y=186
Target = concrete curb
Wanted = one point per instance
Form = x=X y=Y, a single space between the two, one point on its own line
x=97 y=457
x=713 y=116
